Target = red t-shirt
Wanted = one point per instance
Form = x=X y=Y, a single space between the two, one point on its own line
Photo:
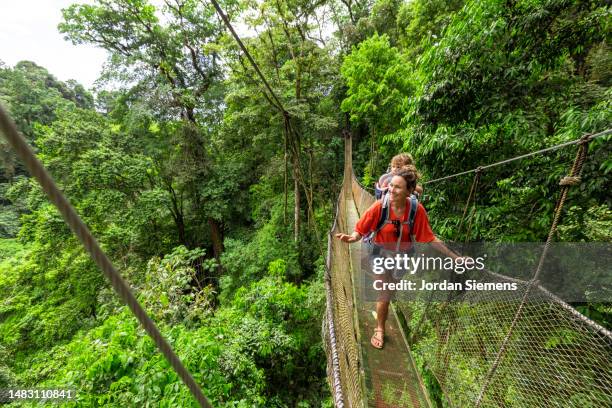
x=368 y=221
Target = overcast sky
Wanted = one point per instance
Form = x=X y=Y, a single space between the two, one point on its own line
x=28 y=31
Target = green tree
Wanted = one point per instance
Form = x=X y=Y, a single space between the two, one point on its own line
x=33 y=98
x=421 y=23
x=174 y=63
x=378 y=80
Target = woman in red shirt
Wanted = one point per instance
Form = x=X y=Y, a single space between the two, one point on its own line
x=401 y=186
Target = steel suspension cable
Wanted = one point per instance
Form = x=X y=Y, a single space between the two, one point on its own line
x=229 y=26
x=473 y=210
x=38 y=171
x=472 y=193
x=587 y=137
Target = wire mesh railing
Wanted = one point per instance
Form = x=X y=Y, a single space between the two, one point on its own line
x=553 y=358
x=347 y=364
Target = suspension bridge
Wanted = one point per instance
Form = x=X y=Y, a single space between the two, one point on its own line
x=502 y=340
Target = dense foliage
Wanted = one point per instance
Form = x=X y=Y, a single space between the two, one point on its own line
x=489 y=80
x=495 y=80
x=214 y=212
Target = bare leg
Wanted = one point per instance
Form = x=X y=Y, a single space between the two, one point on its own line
x=382 y=303
x=382 y=310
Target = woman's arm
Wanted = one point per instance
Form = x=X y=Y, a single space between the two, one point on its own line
x=354 y=237
x=366 y=223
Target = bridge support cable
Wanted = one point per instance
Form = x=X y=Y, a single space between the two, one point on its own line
x=329 y=330
x=38 y=171
x=585 y=138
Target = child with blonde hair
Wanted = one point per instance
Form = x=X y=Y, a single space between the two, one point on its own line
x=397 y=162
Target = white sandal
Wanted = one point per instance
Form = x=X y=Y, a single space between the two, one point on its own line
x=376 y=341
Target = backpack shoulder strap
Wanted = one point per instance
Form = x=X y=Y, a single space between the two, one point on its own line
x=384 y=214
x=414 y=205
x=384 y=219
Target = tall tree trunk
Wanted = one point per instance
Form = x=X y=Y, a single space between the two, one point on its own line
x=285 y=181
x=216 y=235
x=177 y=214
x=310 y=183
x=180 y=225
x=296 y=211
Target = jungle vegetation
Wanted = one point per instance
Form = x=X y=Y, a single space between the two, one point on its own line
x=180 y=166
